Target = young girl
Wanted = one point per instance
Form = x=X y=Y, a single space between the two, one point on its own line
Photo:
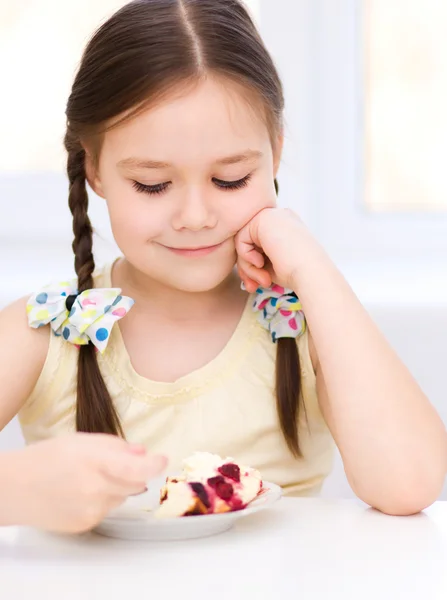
x=176 y=120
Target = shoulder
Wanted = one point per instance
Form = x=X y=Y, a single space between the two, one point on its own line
x=23 y=353
x=15 y=331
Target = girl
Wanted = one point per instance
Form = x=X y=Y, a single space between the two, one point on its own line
x=176 y=120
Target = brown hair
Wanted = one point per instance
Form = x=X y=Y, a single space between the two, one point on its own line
x=141 y=52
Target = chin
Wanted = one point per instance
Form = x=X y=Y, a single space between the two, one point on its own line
x=201 y=280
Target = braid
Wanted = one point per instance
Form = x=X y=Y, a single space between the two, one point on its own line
x=288 y=388
x=82 y=227
x=95 y=411
x=288 y=391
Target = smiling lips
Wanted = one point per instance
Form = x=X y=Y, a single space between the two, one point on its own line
x=194 y=252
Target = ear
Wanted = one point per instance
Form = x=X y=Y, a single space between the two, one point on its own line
x=92 y=175
x=278 y=153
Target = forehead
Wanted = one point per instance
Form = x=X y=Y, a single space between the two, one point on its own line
x=210 y=119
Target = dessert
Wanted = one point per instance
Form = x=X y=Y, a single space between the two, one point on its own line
x=209 y=485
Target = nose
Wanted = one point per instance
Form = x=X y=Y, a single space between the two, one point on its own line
x=194 y=212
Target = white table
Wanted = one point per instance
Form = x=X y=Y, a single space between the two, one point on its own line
x=302 y=548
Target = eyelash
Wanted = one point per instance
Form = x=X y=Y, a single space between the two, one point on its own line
x=233 y=185
x=159 y=188
x=153 y=190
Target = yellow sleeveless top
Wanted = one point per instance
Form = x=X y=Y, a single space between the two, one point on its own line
x=226 y=407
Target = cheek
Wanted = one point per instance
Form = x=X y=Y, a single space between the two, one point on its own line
x=243 y=207
x=134 y=220
x=134 y=217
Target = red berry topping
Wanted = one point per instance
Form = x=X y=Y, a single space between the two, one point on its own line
x=237 y=504
x=224 y=491
x=215 y=481
x=231 y=471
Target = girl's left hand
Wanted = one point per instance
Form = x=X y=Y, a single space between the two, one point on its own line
x=269 y=249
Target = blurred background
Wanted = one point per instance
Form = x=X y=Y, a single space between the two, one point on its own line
x=364 y=162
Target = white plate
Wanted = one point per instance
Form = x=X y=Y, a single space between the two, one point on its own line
x=135 y=519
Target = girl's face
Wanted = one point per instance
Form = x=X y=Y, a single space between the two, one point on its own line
x=182 y=178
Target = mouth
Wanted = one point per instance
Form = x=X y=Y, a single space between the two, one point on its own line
x=193 y=252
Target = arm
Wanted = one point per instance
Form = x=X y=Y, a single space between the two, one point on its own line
x=22 y=355
x=67 y=483
x=392 y=441
x=11 y=486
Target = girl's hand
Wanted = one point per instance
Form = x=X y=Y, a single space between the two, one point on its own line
x=268 y=248
x=69 y=484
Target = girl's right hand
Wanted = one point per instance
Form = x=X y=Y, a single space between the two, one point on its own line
x=69 y=484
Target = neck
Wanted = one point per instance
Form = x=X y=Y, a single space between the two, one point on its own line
x=152 y=295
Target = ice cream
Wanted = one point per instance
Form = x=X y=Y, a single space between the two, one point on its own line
x=209 y=485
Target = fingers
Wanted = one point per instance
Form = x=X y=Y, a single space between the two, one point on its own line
x=126 y=479
x=156 y=464
x=253 y=265
x=251 y=255
x=129 y=478
x=125 y=462
x=252 y=276
x=247 y=248
x=137 y=449
x=132 y=470
x=250 y=285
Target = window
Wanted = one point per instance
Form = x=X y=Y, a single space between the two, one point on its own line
x=389 y=251
x=406 y=105
x=361 y=215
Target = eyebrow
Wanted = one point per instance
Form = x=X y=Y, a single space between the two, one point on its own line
x=246 y=156
x=140 y=163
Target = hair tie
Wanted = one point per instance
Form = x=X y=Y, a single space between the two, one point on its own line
x=70 y=301
x=78 y=318
x=280 y=312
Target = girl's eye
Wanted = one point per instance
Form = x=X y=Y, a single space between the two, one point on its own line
x=159 y=188
x=232 y=185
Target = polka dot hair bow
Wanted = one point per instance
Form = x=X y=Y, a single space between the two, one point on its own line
x=78 y=318
x=280 y=312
